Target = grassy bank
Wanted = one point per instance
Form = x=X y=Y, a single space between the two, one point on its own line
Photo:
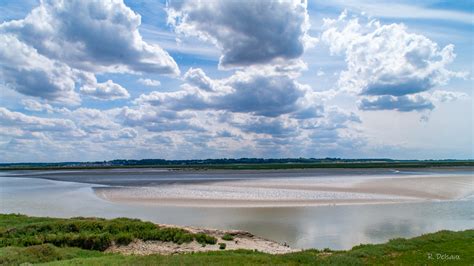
x=88 y=233
x=444 y=247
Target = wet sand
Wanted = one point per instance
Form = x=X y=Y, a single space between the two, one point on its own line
x=302 y=191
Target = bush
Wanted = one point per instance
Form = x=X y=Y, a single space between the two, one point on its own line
x=205 y=239
x=228 y=237
x=222 y=245
x=123 y=239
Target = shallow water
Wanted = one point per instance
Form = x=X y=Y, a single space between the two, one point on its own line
x=336 y=227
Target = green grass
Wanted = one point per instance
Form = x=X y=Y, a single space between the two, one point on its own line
x=228 y=237
x=87 y=233
x=459 y=246
x=43 y=253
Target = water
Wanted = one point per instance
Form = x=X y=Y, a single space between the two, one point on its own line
x=336 y=227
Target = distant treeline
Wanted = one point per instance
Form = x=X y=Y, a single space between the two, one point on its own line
x=244 y=163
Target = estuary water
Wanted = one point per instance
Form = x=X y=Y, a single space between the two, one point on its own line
x=315 y=208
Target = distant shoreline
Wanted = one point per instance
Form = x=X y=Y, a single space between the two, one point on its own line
x=246 y=166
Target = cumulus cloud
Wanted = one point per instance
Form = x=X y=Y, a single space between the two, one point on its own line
x=28 y=72
x=32 y=123
x=197 y=77
x=448 y=96
x=405 y=103
x=122 y=134
x=262 y=94
x=278 y=128
x=156 y=120
x=387 y=61
x=55 y=49
x=35 y=106
x=149 y=82
x=246 y=33
x=105 y=91
x=92 y=35
x=94 y=120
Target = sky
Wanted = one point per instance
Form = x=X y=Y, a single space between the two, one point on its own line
x=92 y=80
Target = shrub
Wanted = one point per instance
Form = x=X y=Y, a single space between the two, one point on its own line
x=222 y=245
x=228 y=237
x=205 y=239
x=123 y=239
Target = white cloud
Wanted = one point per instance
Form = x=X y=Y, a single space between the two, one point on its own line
x=259 y=93
x=91 y=35
x=124 y=133
x=387 y=60
x=24 y=70
x=33 y=123
x=246 y=33
x=59 y=45
x=94 y=120
x=149 y=82
x=448 y=96
x=405 y=103
x=197 y=77
x=35 y=106
x=105 y=91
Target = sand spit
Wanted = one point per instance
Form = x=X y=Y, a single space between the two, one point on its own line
x=242 y=240
x=298 y=191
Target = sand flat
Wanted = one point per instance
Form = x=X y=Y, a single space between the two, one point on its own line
x=298 y=191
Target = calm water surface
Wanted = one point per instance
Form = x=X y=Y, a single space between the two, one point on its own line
x=336 y=227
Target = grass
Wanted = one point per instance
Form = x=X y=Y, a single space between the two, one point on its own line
x=441 y=248
x=88 y=233
x=228 y=237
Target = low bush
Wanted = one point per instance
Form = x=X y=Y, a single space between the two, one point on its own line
x=228 y=237
x=205 y=239
x=123 y=239
x=222 y=245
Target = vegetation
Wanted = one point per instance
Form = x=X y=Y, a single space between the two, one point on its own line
x=87 y=233
x=222 y=245
x=205 y=239
x=242 y=163
x=441 y=248
x=228 y=237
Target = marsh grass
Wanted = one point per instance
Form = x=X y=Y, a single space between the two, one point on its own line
x=228 y=237
x=88 y=233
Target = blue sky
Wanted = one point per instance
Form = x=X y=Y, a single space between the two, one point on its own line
x=98 y=80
